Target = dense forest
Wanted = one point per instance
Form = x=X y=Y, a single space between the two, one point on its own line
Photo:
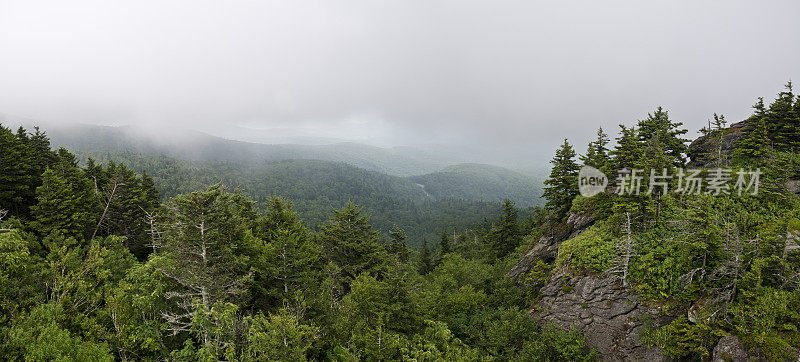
x=97 y=264
x=315 y=187
x=96 y=267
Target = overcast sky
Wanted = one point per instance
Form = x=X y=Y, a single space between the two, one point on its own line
x=500 y=74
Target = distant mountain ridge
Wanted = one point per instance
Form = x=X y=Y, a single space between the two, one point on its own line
x=419 y=172
x=481 y=182
x=198 y=146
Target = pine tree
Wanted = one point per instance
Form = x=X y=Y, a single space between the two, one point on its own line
x=629 y=153
x=662 y=140
x=755 y=144
x=562 y=186
x=66 y=201
x=13 y=173
x=597 y=152
x=504 y=236
x=783 y=123
x=444 y=244
x=352 y=244
x=397 y=245
x=425 y=259
x=203 y=251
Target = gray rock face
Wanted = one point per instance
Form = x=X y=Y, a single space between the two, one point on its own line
x=793 y=186
x=547 y=246
x=704 y=145
x=729 y=348
x=611 y=318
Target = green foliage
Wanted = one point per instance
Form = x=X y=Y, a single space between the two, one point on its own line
x=562 y=185
x=279 y=337
x=317 y=186
x=629 y=153
x=597 y=152
x=65 y=201
x=351 y=243
x=437 y=343
x=23 y=159
x=755 y=144
x=203 y=244
x=682 y=339
x=661 y=137
x=40 y=336
x=593 y=250
x=504 y=237
x=481 y=183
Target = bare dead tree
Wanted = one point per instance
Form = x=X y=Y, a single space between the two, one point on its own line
x=3 y=214
x=115 y=183
x=625 y=251
x=152 y=228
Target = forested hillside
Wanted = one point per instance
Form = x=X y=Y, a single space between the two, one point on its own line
x=315 y=188
x=481 y=182
x=94 y=267
x=701 y=263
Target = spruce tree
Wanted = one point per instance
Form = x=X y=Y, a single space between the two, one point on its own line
x=66 y=201
x=425 y=259
x=352 y=244
x=504 y=236
x=629 y=153
x=597 y=152
x=783 y=123
x=562 y=185
x=13 y=173
x=444 y=244
x=288 y=259
x=397 y=245
x=203 y=251
x=662 y=140
x=755 y=144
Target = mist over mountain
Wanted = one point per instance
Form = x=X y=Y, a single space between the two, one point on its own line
x=194 y=145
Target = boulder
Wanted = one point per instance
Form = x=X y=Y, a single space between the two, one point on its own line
x=611 y=318
x=729 y=348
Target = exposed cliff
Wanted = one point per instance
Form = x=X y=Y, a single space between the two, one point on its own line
x=611 y=318
x=546 y=247
x=707 y=148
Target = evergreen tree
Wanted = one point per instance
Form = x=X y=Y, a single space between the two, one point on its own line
x=629 y=153
x=203 y=251
x=661 y=137
x=352 y=244
x=66 y=201
x=783 y=123
x=425 y=259
x=125 y=200
x=597 y=152
x=444 y=244
x=504 y=237
x=562 y=185
x=13 y=173
x=755 y=144
x=397 y=245
x=288 y=260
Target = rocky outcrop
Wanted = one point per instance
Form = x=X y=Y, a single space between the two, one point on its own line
x=611 y=318
x=730 y=349
x=708 y=144
x=546 y=248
